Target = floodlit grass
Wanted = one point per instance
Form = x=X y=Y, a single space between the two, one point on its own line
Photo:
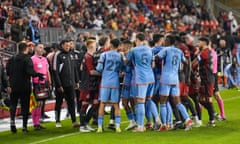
x=225 y=131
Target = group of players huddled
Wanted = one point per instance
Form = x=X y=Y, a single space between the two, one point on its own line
x=152 y=80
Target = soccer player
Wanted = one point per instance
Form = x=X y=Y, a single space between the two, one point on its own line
x=205 y=61
x=125 y=93
x=87 y=91
x=110 y=65
x=171 y=57
x=231 y=71
x=141 y=58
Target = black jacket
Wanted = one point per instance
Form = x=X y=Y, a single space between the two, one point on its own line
x=64 y=69
x=20 y=69
x=3 y=77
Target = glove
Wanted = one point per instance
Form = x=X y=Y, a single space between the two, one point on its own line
x=40 y=76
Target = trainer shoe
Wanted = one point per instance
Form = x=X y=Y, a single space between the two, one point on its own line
x=118 y=130
x=99 y=130
x=90 y=128
x=211 y=124
x=84 y=129
x=139 y=129
x=156 y=126
x=188 y=124
x=131 y=125
x=58 y=125
x=13 y=129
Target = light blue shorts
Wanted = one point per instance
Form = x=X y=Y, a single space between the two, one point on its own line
x=125 y=93
x=133 y=91
x=145 y=90
x=109 y=95
x=167 y=90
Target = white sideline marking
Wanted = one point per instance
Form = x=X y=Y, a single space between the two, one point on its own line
x=75 y=133
x=63 y=136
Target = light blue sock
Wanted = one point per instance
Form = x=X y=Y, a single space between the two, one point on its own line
x=153 y=109
x=129 y=115
x=169 y=113
x=140 y=114
x=182 y=110
x=148 y=113
x=163 y=113
x=100 y=121
x=117 y=120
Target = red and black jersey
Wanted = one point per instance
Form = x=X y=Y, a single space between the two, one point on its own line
x=86 y=79
x=205 y=66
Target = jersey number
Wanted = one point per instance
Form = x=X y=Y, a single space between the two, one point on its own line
x=144 y=59
x=174 y=60
x=113 y=66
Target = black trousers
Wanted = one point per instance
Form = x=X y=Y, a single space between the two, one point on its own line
x=68 y=95
x=24 y=100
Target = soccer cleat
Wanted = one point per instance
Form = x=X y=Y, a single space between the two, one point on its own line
x=139 y=129
x=58 y=125
x=75 y=125
x=156 y=126
x=118 y=130
x=197 y=123
x=84 y=129
x=131 y=125
x=148 y=126
x=163 y=128
x=99 y=130
x=188 y=125
x=217 y=117
x=25 y=130
x=211 y=124
x=111 y=126
x=90 y=128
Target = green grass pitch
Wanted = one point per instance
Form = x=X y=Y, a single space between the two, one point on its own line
x=225 y=132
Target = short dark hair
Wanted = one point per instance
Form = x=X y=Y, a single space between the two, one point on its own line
x=22 y=46
x=127 y=42
x=102 y=40
x=204 y=39
x=115 y=42
x=157 y=37
x=63 y=42
x=140 y=36
x=170 y=39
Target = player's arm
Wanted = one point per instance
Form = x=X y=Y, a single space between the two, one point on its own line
x=100 y=65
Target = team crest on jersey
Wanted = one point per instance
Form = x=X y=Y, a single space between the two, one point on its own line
x=64 y=57
x=71 y=57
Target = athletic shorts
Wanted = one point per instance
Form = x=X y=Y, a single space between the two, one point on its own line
x=167 y=90
x=109 y=95
x=88 y=95
x=125 y=93
x=184 y=89
x=133 y=91
x=145 y=90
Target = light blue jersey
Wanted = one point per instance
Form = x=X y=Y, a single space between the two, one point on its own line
x=110 y=64
x=172 y=57
x=141 y=58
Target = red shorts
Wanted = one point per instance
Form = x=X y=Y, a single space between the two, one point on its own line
x=88 y=96
x=194 y=87
x=184 y=89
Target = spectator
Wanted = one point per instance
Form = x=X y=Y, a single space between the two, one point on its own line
x=17 y=30
x=33 y=32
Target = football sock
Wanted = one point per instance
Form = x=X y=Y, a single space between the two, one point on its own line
x=148 y=113
x=130 y=115
x=221 y=107
x=182 y=110
x=117 y=120
x=169 y=113
x=163 y=113
x=140 y=113
x=100 y=121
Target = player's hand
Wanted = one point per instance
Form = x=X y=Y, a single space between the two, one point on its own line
x=9 y=90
